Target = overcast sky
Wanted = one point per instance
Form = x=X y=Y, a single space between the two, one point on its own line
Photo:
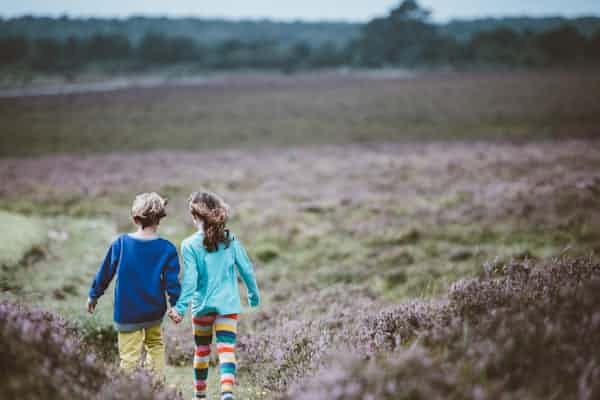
x=352 y=10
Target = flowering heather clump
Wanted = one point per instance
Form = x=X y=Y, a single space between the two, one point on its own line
x=43 y=357
x=521 y=284
x=536 y=324
x=397 y=324
x=297 y=338
x=529 y=334
x=411 y=374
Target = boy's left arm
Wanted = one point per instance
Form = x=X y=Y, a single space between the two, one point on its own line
x=171 y=275
x=188 y=281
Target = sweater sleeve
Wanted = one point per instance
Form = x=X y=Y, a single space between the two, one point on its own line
x=107 y=271
x=171 y=276
x=189 y=279
x=246 y=270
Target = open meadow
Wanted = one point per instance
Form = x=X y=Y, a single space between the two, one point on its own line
x=334 y=108
x=435 y=237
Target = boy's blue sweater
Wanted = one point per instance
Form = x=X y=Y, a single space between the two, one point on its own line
x=145 y=269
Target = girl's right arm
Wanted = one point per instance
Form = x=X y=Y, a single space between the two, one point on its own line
x=189 y=279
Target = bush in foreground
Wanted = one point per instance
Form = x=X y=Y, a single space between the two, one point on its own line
x=529 y=333
x=43 y=357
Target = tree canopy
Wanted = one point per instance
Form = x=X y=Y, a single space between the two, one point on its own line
x=405 y=37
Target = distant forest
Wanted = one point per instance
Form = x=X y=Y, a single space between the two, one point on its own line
x=405 y=37
x=201 y=31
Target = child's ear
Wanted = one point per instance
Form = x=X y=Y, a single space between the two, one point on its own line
x=135 y=221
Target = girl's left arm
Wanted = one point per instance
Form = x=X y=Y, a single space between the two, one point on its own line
x=188 y=281
x=246 y=270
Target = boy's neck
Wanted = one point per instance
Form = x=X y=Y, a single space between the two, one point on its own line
x=147 y=232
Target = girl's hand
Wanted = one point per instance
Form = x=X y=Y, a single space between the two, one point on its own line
x=175 y=317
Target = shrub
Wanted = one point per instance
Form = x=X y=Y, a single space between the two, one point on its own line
x=411 y=375
x=43 y=357
x=99 y=337
x=267 y=253
x=528 y=333
x=298 y=337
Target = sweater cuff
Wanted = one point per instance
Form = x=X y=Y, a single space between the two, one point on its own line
x=254 y=300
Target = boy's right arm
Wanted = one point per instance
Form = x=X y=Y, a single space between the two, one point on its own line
x=188 y=281
x=104 y=275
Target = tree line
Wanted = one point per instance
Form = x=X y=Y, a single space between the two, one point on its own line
x=157 y=49
x=405 y=37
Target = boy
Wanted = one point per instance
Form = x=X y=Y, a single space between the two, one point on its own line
x=146 y=266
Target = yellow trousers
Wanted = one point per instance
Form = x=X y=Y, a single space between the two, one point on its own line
x=130 y=350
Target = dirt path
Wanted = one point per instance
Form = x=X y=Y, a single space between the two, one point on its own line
x=216 y=79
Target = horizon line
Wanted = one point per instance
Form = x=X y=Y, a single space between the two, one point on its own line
x=287 y=20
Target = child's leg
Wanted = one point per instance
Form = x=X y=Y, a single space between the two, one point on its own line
x=130 y=349
x=203 y=327
x=226 y=331
x=155 y=351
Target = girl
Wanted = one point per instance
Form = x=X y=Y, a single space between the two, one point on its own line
x=210 y=258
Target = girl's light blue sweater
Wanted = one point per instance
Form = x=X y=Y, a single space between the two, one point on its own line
x=210 y=278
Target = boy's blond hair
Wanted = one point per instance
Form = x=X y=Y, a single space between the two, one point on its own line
x=148 y=209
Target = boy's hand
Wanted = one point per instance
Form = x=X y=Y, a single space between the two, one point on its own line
x=91 y=305
x=175 y=317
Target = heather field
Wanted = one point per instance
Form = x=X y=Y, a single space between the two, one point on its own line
x=425 y=238
x=328 y=108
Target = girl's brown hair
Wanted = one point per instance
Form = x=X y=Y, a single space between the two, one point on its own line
x=214 y=213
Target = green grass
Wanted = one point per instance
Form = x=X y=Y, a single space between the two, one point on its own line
x=60 y=280
x=414 y=262
x=181 y=378
x=19 y=237
x=318 y=246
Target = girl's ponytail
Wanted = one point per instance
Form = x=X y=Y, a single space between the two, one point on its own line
x=214 y=213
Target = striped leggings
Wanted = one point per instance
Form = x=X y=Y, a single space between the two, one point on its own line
x=225 y=327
